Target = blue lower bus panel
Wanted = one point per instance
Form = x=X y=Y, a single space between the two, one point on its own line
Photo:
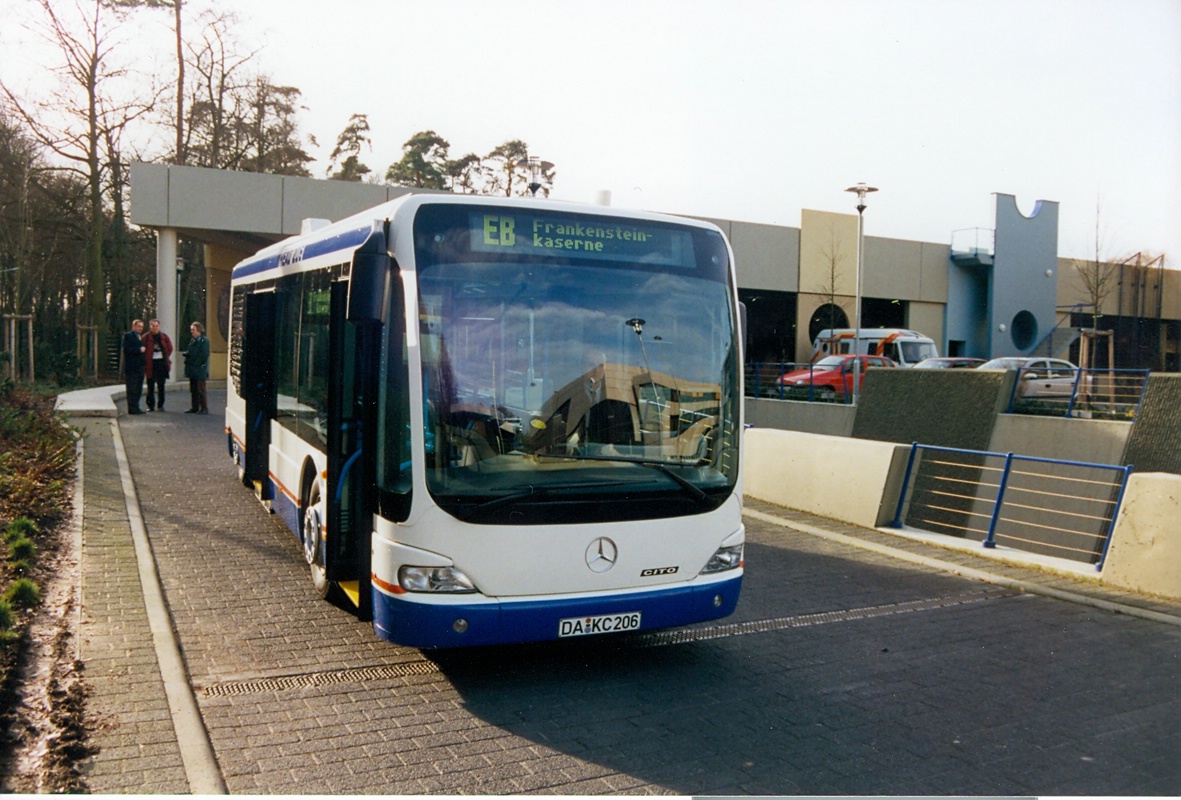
x=428 y=625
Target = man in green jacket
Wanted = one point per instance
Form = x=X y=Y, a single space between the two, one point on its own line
x=197 y=368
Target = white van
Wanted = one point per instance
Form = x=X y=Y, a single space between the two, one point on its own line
x=904 y=347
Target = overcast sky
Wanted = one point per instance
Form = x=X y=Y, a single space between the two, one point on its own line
x=756 y=110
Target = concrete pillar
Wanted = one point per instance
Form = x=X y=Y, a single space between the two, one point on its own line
x=166 y=282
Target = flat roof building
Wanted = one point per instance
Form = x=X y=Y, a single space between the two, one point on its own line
x=985 y=293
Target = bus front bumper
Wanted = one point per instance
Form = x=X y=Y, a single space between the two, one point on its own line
x=411 y=622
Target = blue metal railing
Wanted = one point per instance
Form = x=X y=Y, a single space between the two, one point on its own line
x=1093 y=393
x=1042 y=505
x=762 y=380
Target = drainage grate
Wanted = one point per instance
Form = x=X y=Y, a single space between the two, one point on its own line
x=358 y=675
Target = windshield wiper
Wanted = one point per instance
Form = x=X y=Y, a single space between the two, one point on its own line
x=693 y=490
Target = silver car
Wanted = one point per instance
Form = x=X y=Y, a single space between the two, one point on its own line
x=1042 y=377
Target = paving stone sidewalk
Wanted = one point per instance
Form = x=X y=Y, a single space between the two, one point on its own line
x=138 y=749
x=137 y=745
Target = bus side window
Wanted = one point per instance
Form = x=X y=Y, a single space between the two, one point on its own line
x=287 y=307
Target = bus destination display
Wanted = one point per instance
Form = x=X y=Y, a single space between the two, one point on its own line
x=499 y=231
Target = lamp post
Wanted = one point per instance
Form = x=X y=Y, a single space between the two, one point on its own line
x=537 y=169
x=861 y=190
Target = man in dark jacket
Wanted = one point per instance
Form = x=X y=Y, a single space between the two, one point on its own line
x=157 y=363
x=133 y=366
x=197 y=368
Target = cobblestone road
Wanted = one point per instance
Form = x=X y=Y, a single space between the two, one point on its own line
x=843 y=672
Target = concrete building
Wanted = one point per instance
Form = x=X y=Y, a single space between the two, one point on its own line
x=985 y=293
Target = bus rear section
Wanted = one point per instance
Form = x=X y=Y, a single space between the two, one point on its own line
x=531 y=430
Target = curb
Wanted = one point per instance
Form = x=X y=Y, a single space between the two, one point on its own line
x=197 y=755
x=1029 y=587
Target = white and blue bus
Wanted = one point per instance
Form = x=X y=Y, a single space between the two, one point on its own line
x=493 y=420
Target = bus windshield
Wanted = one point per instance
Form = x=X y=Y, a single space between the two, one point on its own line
x=590 y=365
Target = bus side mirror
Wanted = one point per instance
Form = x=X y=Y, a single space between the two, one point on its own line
x=368 y=280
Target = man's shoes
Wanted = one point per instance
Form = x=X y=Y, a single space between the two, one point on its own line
x=203 y=411
x=191 y=411
x=135 y=411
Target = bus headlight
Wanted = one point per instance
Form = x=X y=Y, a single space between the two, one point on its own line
x=726 y=558
x=435 y=579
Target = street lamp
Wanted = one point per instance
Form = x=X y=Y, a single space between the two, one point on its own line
x=861 y=190
x=537 y=169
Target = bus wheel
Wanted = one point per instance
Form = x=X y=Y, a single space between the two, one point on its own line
x=310 y=538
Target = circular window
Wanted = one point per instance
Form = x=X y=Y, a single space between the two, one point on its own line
x=828 y=315
x=1023 y=330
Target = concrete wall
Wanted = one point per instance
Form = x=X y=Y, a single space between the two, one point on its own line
x=1145 y=552
x=967 y=309
x=832 y=419
x=770 y=255
x=948 y=408
x=849 y=480
x=1091 y=441
x=1154 y=444
x=1024 y=287
x=817 y=474
x=192 y=198
x=827 y=270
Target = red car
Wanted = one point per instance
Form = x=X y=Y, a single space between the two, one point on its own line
x=829 y=378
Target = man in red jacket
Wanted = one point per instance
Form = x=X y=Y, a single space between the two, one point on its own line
x=158 y=363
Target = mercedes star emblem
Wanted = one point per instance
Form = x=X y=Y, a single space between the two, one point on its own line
x=601 y=554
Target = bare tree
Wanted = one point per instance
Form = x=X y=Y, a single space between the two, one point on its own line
x=219 y=94
x=833 y=258
x=77 y=118
x=269 y=131
x=1099 y=278
x=178 y=157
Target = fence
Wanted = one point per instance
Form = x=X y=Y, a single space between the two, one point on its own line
x=762 y=380
x=1074 y=392
x=1060 y=392
x=1046 y=506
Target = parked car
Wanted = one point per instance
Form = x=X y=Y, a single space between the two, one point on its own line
x=949 y=362
x=831 y=377
x=1042 y=377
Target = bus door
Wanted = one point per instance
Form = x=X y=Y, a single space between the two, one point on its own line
x=352 y=423
x=258 y=388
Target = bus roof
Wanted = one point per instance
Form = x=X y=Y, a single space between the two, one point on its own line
x=346 y=235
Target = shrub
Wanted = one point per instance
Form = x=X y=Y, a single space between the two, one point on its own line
x=37 y=454
x=6 y=615
x=21 y=526
x=22 y=594
x=22 y=549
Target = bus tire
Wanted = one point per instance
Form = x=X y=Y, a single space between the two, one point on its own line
x=310 y=539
